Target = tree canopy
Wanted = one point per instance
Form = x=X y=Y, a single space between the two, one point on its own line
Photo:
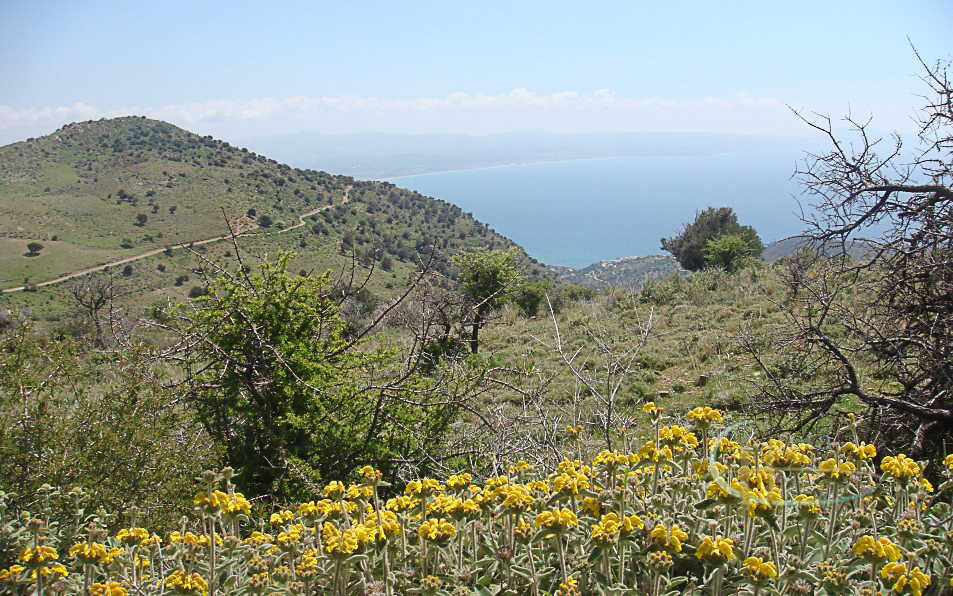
x=485 y=276
x=688 y=247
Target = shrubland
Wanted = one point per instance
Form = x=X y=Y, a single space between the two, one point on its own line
x=746 y=428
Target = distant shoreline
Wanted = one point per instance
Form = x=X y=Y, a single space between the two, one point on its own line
x=549 y=161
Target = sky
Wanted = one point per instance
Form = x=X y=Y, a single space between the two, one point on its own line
x=241 y=70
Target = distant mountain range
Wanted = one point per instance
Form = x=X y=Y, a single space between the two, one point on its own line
x=382 y=155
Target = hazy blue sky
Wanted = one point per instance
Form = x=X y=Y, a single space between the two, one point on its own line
x=242 y=69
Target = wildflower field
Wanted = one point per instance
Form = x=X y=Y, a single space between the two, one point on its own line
x=699 y=509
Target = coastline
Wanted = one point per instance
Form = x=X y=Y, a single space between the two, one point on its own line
x=531 y=162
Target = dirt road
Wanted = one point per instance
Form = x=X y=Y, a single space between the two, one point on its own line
x=155 y=251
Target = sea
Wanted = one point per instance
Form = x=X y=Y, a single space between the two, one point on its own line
x=579 y=212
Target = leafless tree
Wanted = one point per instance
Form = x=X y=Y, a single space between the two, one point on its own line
x=93 y=294
x=604 y=361
x=878 y=327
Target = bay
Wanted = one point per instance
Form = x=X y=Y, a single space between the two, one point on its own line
x=578 y=212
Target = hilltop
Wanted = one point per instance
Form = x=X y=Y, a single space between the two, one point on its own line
x=103 y=191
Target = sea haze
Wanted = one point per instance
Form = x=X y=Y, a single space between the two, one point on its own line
x=578 y=212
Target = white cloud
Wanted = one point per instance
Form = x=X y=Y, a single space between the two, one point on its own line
x=567 y=111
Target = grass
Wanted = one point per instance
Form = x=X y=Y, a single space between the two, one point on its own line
x=87 y=183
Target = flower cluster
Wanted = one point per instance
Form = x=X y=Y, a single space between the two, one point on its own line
x=748 y=516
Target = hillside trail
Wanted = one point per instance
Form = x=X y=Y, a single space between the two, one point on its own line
x=155 y=251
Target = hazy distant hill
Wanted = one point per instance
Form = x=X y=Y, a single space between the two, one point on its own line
x=381 y=155
x=624 y=272
x=857 y=249
x=94 y=192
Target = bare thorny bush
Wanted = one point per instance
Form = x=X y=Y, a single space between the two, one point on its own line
x=875 y=327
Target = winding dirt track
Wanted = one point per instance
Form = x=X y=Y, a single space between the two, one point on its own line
x=155 y=251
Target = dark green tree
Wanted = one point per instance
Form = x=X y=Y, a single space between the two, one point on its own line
x=34 y=248
x=688 y=247
x=529 y=296
x=485 y=278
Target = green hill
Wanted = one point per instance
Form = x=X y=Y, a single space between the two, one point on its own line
x=99 y=192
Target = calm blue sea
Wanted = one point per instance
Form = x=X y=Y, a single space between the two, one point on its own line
x=578 y=212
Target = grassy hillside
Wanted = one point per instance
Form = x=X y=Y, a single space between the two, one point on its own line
x=101 y=191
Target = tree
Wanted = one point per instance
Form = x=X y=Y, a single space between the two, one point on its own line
x=485 y=276
x=728 y=251
x=530 y=296
x=878 y=330
x=265 y=221
x=293 y=399
x=34 y=248
x=93 y=294
x=688 y=247
x=141 y=219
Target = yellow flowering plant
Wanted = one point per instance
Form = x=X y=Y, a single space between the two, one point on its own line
x=754 y=515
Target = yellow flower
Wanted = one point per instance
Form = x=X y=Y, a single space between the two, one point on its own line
x=571 y=587
x=630 y=524
x=107 y=589
x=12 y=574
x=900 y=467
x=402 y=503
x=903 y=581
x=948 y=462
x=369 y=472
x=133 y=535
x=762 y=501
x=573 y=431
x=519 y=467
x=703 y=417
x=281 y=517
x=650 y=408
x=668 y=539
x=862 y=451
x=759 y=571
x=90 y=552
x=877 y=550
x=257 y=537
x=517 y=497
x=677 y=435
x=607 y=530
x=570 y=483
x=651 y=452
x=719 y=550
x=807 y=506
x=437 y=530
x=38 y=556
x=523 y=530
x=836 y=470
x=183 y=583
x=363 y=491
x=389 y=526
x=211 y=503
x=459 y=481
x=726 y=492
x=730 y=448
x=334 y=490
x=556 y=519
x=779 y=455
x=425 y=487
x=338 y=543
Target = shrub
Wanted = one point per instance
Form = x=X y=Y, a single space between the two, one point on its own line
x=688 y=247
